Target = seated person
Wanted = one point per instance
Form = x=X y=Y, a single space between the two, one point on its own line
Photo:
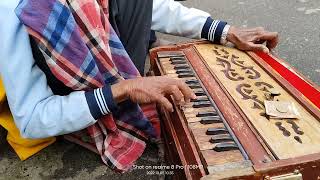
x=67 y=66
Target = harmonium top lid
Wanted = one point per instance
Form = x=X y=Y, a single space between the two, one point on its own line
x=252 y=88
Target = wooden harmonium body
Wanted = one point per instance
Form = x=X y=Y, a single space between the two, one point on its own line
x=255 y=117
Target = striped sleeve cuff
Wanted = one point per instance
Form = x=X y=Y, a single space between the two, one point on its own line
x=212 y=30
x=101 y=102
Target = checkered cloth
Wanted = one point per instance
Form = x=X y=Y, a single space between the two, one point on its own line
x=83 y=51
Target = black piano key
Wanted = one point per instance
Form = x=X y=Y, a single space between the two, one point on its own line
x=172 y=54
x=181 y=66
x=210 y=120
x=194 y=86
x=215 y=131
x=182 y=58
x=178 y=62
x=221 y=138
x=225 y=147
x=192 y=81
x=200 y=93
x=185 y=75
x=188 y=70
x=208 y=113
x=184 y=71
x=201 y=104
x=200 y=98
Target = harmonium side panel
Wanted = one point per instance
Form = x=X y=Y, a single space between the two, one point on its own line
x=218 y=148
x=249 y=86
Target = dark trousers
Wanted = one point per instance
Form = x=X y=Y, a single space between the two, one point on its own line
x=131 y=19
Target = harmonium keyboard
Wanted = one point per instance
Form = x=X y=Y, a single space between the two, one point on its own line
x=255 y=117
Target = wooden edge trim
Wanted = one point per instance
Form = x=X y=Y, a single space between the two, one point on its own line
x=245 y=170
x=287 y=162
x=176 y=141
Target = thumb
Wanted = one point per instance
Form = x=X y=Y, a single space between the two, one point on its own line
x=258 y=47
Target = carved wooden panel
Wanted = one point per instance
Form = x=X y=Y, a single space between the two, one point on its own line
x=249 y=85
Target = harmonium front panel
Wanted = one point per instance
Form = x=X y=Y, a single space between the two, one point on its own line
x=227 y=122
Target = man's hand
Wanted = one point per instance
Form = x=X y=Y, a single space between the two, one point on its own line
x=152 y=90
x=252 y=39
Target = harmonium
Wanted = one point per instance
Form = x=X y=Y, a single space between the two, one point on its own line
x=255 y=117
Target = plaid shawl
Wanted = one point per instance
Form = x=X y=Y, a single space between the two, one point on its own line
x=83 y=51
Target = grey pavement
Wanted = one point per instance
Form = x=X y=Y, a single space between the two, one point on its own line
x=64 y=160
x=297 y=21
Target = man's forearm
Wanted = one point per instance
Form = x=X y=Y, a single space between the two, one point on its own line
x=118 y=92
